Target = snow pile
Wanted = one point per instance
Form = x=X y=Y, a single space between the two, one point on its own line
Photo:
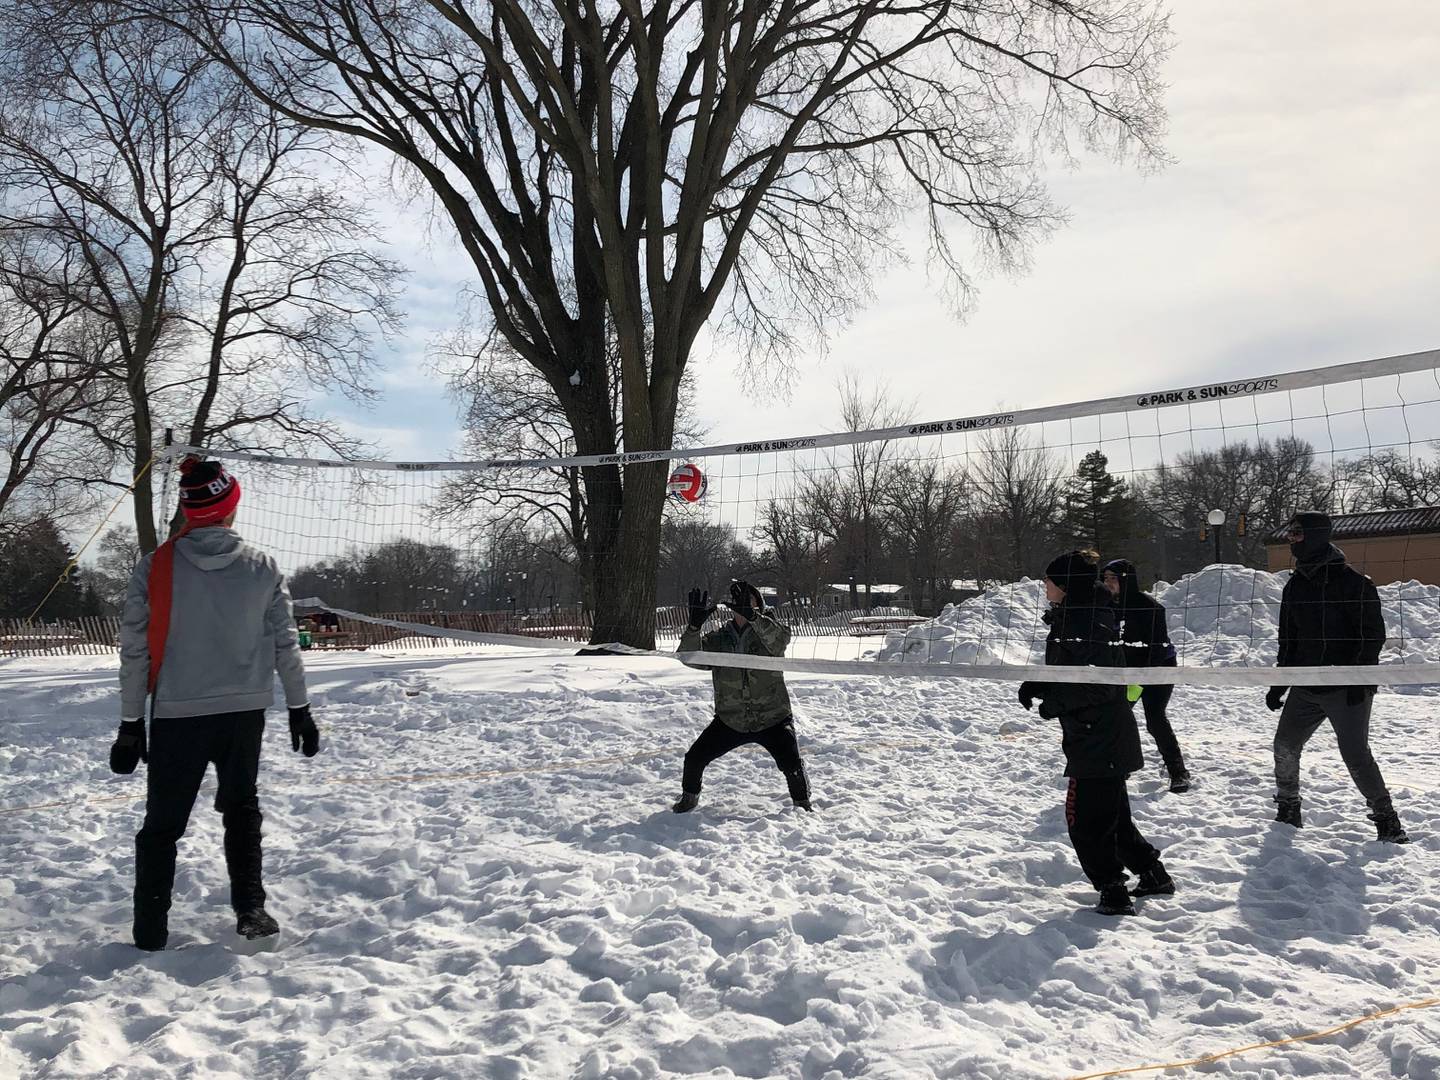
x=1221 y=616
x=1000 y=626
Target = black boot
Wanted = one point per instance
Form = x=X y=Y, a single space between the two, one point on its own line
x=799 y=785
x=1115 y=900
x=256 y=923
x=1155 y=882
x=1288 y=812
x=1387 y=824
x=152 y=920
x=1180 y=780
x=688 y=801
x=151 y=930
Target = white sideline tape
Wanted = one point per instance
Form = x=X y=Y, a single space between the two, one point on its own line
x=1351 y=675
x=1159 y=399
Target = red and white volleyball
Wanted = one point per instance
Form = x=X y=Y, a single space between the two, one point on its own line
x=687 y=483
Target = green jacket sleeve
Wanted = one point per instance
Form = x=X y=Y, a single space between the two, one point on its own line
x=774 y=636
x=692 y=640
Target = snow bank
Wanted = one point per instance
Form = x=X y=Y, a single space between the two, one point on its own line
x=1220 y=616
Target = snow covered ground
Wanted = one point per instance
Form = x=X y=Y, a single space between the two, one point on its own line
x=479 y=877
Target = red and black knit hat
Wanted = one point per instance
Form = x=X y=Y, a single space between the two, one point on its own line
x=208 y=494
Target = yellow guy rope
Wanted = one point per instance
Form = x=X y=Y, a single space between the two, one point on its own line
x=1428 y=1003
x=65 y=574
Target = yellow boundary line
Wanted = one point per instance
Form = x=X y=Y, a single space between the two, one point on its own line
x=1428 y=1003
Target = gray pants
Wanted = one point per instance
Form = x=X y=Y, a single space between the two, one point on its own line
x=1304 y=711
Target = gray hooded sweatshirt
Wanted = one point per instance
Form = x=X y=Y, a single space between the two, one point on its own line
x=231 y=630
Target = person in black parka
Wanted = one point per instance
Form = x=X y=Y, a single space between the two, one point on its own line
x=1329 y=615
x=1146 y=643
x=1098 y=735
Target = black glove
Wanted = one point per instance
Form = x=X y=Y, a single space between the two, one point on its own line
x=1358 y=695
x=1027 y=696
x=700 y=608
x=128 y=749
x=303 y=732
x=1276 y=697
x=745 y=600
x=1049 y=711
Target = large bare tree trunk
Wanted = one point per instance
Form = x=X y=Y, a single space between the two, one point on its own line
x=625 y=570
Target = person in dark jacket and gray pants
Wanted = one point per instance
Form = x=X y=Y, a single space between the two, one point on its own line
x=751 y=704
x=1098 y=735
x=1145 y=640
x=1329 y=615
x=207 y=625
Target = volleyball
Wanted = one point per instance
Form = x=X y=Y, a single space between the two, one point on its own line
x=687 y=484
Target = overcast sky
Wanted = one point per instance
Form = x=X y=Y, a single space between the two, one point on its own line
x=1299 y=226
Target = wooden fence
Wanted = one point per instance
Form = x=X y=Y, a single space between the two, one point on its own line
x=84 y=636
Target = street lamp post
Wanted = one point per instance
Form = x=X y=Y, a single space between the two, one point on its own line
x=1216 y=518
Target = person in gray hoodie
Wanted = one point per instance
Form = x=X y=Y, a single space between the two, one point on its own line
x=206 y=626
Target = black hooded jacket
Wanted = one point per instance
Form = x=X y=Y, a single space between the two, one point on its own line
x=1329 y=613
x=1098 y=731
x=1143 y=633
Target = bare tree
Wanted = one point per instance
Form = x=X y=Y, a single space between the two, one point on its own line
x=127 y=153
x=651 y=167
x=924 y=502
x=1264 y=481
x=845 y=501
x=790 y=548
x=511 y=415
x=52 y=353
x=693 y=552
x=1386 y=480
x=1017 y=490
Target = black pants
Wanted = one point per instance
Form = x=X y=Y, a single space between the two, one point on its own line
x=1106 y=840
x=1153 y=700
x=1305 y=710
x=180 y=750
x=719 y=739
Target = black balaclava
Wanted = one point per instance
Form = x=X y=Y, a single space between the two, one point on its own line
x=1124 y=569
x=1317 y=528
x=1076 y=574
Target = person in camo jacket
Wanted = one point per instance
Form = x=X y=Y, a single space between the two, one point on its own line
x=206 y=626
x=751 y=705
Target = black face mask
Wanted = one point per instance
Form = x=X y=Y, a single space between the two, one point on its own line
x=1314 y=543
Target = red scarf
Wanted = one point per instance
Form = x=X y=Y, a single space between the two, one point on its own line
x=162 y=591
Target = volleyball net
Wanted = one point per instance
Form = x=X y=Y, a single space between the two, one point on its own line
x=910 y=549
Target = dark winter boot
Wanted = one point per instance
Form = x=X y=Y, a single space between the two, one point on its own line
x=1180 y=780
x=688 y=801
x=1155 y=882
x=1387 y=824
x=256 y=923
x=151 y=929
x=1115 y=900
x=799 y=785
x=1288 y=812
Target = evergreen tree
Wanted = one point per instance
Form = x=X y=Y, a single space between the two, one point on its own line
x=1098 y=509
x=32 y=558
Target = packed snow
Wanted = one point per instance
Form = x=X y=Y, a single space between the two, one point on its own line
x=479 y=877
x=1219 y=616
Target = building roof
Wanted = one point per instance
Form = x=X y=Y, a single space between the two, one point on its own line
x=1415 y=521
